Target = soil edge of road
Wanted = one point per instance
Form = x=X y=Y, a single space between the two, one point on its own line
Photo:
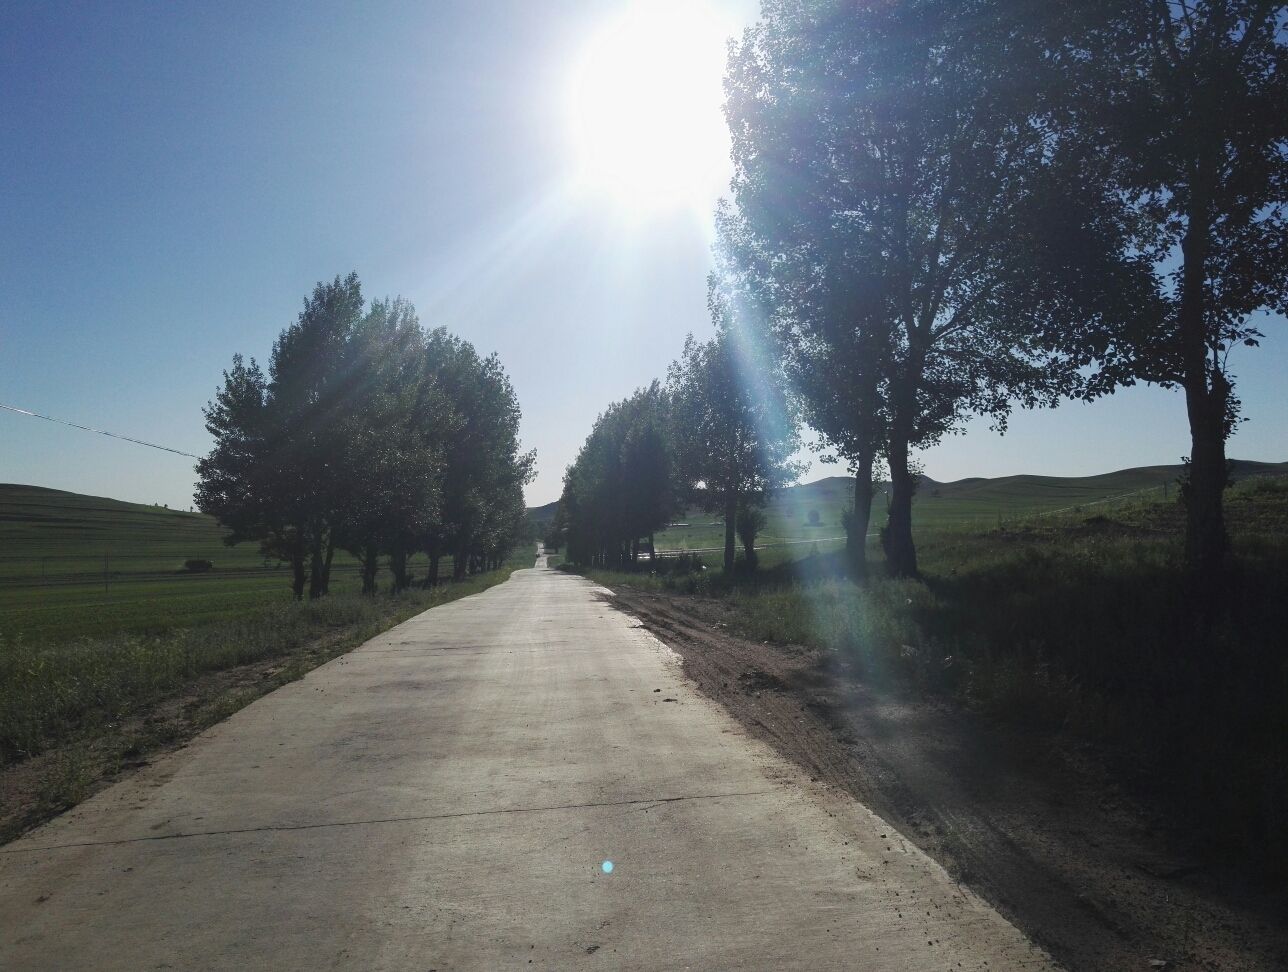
x=1040 y=832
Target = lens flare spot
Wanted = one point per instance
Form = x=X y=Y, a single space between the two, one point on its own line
x=607 y=867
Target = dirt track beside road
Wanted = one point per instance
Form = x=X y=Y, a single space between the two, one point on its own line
x=1039 y=828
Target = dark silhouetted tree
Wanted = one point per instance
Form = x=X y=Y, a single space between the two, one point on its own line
x=371 y=435
x=734 y=427
x=621 y=486
x=1186 y=104
x=892 y=159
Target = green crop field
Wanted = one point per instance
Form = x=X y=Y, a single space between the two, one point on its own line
x=73 y=565
x=100 y=622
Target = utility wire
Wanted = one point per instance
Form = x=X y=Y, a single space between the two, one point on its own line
x=150 y=445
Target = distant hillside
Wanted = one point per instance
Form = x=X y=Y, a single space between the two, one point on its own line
x=1032 y=490
x=542 y=515
x=1026 y=489
x=970 y=500
x=50 y=536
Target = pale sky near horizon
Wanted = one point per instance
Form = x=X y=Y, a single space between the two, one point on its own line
x=177 y=176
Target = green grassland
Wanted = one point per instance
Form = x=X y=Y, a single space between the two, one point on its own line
x=969 y=504
x=1072 y=621
x=103 y=664
x=73 y=565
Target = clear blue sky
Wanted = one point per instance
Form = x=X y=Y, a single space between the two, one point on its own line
x=177 y=176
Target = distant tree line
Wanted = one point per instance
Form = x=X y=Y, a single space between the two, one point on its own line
x=720 y=434
x=945 y=208
x=368 y=434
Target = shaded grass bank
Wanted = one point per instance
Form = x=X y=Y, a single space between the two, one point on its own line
x=1076 y=626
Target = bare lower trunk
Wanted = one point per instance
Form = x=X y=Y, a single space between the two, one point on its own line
x=326 y=565
x=316 y=582
x=398 y=567
x=652 y=550
x=731 y=523
x=748 y=538
x=370 y=567
x=1205 y=537
x=856 y=540
x=896 y=539
x=298 y=573
x=900 y=551
x=1207 y=393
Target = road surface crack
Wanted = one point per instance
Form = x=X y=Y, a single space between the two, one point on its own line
x=414 y=818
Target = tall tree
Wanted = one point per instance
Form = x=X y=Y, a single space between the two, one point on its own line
x=895 y=152
x=826 y=313
x=620 y=488
x=1186 y=102
x=242 y=482
x=647 y=465
x=393 y=460
x=312 y=425
x=291 y=495
x=483 y=461
x=735 y=430
x=370 y=435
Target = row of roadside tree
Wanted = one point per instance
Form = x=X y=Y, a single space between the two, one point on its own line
x=368 y=434
x=720 y=434
x=945 y=208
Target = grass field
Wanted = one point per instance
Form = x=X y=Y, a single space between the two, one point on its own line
x=969 y=504
x=111 y=651
x=73 y=566
x=1074 y=622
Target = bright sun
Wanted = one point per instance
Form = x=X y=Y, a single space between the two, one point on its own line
x=644 y=105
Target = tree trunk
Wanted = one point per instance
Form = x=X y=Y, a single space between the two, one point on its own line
x=315 y=567
x=856 y=540
x=297 y=569
x=460 y=562
x=900 y=552
x=326 y=565
x=370 y=567
x=731 y=524
x=1207 y=394
x=749 y=543
x=398 y=567
x=1204 y=492
x=652 y=549
x=431 y=579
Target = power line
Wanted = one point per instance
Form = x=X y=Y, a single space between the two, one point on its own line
x=150 y=445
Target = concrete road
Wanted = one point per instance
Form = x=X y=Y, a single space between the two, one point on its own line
x=448 y=796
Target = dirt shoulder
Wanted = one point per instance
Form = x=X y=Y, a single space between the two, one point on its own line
x=1038 y=828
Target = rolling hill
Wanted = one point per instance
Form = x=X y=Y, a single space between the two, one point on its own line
x=965 y=502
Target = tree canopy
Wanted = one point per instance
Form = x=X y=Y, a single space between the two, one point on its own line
x=901 y=210
x=371 y=435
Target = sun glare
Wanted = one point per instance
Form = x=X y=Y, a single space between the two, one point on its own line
x=644 y=105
